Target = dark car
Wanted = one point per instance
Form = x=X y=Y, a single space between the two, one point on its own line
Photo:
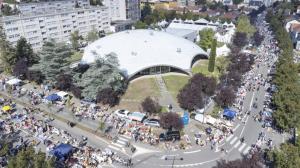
x=170 y=135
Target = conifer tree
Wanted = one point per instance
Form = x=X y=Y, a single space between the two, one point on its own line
x=212 y=57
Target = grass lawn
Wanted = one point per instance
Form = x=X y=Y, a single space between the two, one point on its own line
x=137 y=91
x=174 y=83
x=141 y=88
x=202 y=67
x=131 y=106
x=215 y=112
x=76 y=56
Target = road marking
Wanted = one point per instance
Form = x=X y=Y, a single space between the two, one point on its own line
x=121 y=142
x=228 y=138
x=233 y=140
x=195 y=151
x=113 y=147
x=116 y=144
x=222 y=145
x=237 y=144
x=190 y=165
x=251 y=101
x=123 y=139
x=244 y=126
x=246 y=150
x=236 y=127
x=125 y=136
x=242 y=147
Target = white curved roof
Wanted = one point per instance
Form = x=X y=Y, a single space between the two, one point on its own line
x=139 y=49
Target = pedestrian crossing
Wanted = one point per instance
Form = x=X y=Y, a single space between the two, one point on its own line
x=242 y=147
x=233 y=140
x=235 y=143
x=229 y=138
x=120 y=143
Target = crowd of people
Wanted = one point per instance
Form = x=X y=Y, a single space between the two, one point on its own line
x=267 y=55
x=37 y=130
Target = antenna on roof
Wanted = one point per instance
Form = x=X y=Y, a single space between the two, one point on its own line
x=179 y=50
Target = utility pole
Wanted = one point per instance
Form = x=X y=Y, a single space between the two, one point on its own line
x=173 y=160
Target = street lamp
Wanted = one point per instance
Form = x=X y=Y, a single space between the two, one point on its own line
x=173 y=160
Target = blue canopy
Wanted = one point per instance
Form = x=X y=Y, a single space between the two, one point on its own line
x=185 y=118
x=62 y=150
x=53 y=97
x=230 y=114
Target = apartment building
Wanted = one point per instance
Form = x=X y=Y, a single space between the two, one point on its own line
x=185 y=3
x=51 y=5
x=123 y=9
x=57 y=24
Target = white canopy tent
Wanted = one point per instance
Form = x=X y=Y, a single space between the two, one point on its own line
x=62 y=94
x=14 y=81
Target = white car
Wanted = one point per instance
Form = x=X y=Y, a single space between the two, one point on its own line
x=122 y=113
x=152 y=122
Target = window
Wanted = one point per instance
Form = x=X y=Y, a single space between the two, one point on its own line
x=52 y=28
x=14 y=36
x=8 y=22
x=12 y=29
x=64 y=15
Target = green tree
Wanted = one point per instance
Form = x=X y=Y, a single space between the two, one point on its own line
x=146 y=11
x=6 y=10
x=4 y=147
x=54 y=60
x=221 y=64
x=140 y=25
x=24 y=50
x=7 y=53
x=236 y=2
x=27 y=157
x=244 y=26
x=200 y=2
x=103 y=74
x=206 y=38
x=212 y=57
x=75 y=40
x=151 y=106
x=93 y=35
x=101 y=126
x=96 y=2
x=287 y=156
x=287 y=95
x=39 y=160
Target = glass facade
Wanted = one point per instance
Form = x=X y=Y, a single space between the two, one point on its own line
x=155 y=70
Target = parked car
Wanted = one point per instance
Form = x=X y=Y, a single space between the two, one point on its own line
x=169 y=135
x=152 y=122
x=122 y=113
x=136 y=116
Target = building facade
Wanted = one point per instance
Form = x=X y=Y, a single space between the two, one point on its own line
x=37 y=27
x=185 y=3
x=52 y=5
x=123 y=9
